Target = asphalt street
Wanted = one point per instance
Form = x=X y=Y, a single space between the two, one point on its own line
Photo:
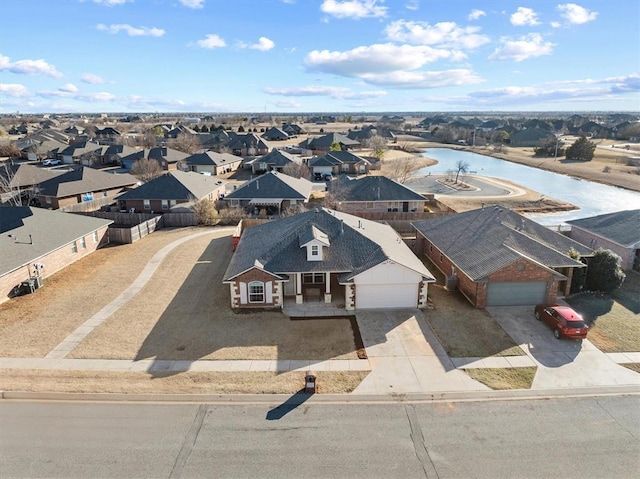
x=590 y=437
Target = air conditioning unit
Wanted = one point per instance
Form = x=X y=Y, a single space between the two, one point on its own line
x=36 y=281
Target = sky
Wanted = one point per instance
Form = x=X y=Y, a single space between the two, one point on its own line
x=297 y=56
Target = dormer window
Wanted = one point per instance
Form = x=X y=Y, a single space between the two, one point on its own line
x=314 y=250
x=314 y=241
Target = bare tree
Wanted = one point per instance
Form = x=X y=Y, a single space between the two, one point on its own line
x=146 y=169
x=335 y=194
x=401 y=169
x=206 y=212
x=149 y=139
x=10 y=190
x=461 y=167
x=378 y=144
x=10 y=150
x=186 y=143
x=297 y=170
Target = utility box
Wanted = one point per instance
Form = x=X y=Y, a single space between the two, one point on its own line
x=310 y=382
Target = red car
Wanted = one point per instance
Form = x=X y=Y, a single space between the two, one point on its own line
x=563 y=320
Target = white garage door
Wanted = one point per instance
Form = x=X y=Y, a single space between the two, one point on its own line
x=386 y=296
x=516 y=293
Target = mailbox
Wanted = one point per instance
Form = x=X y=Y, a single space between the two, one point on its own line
x=310 y=385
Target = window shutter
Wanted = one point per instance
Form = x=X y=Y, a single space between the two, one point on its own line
x=243 y=293
x=269 y=291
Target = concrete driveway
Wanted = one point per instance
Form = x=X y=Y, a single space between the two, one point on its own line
x=406 y=357
x=561 y=363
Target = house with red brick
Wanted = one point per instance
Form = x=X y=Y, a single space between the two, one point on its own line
x=496 y=257
x=375 y=194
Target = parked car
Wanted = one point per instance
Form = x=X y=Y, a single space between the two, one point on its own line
x=51 y=162
x=563 y=320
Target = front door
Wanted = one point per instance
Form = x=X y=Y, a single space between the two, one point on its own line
x=405 y=206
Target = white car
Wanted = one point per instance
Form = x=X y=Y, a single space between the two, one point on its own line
x=51 y=162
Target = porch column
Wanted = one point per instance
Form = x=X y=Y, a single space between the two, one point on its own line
x=327 y=287
x=298 y=288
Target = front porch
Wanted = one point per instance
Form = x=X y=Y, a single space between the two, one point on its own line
x=314 y=296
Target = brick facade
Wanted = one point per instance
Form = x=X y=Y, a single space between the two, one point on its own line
x=257 y=275
x=595 y=242
x=380 y=206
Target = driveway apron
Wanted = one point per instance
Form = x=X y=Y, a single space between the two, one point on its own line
x=563 y=363
x=406 y=357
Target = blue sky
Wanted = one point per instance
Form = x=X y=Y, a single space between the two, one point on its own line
x=318 y=55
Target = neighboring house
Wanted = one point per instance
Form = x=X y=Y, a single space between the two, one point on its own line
x=336 y=162
x=179 y=130
x=248 y=144
x=375 y=194
x=323 y=143
x=35 y=149
x=23 y=180
x=82 y=151
x=275 y=134
x=531 y=137
x=115 y=154
x=275 y=160
x=273 y=191
x=325 y=255
x=107 y=134
x=213 y=163
x=500 y=258
x=81 y=185
x=50 y=239
x=618 y=232
x=171 y=189
x=168 y=158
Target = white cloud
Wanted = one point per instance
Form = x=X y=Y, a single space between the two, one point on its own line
x=447 y=34
x=575 y=14
x=211 y=41
x=193 y=3
x=476 y=14
x=264 y=44
x=13 y=89
x=69 y=88
x=92 y=78
x=412 y=5
x=339 y=93
x=132 y=31
x=288 y=103
x=426 y=79
x=529 y=46
x=111 y=3
x=376 y=59
x=29 y=67
x=353 y=8
x=556 y=24
x=524 y=16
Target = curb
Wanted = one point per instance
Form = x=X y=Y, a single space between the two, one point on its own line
x=236 y=399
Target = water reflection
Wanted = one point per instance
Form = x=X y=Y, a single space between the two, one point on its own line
x=592 y=198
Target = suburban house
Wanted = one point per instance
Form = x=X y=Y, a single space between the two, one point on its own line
x=168 y=158
x=531 y=137
x=37 y=243
x=272 y=191
x=80 y=185
x=325 y=255
x=34 y=150
x=22 y=180
x=496 y=257
x=336 y=162
x=85 y=150
x=248 y=144
x=618 y=232
x=275 y=160
x=107 y=135
x=275 y=134
x=375 y=194
x=213 y=163
x=323 y=143
x=165 y=192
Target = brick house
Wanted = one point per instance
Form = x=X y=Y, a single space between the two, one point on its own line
x=336 y=162
x=496 y=257
x=375 y=194
x=39 y=242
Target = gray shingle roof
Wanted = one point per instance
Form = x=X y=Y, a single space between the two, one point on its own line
x=325 y=141
x=374 y=188
x=622 y=227
x=25 y=175
x=36 y=232
x=356 y=245
x=175 y=185
x=486 y=240
x=278 y=158
x=82 y=180
x=273 y=185
x=212 y=158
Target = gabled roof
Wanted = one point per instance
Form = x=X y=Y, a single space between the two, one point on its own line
x=212 y=158
x=482 y=241
x=163 y=153
x=273 y=185
x=25 y=175
x=622 y=227
x=247 y=140
x=325 y=141
x=356 y=246
x=374 y=188
x=83 y=148
x=336 y=158
x=37 y=231
x=278 y=158
x=120 y=150
x=175 y=185
x=82 y=180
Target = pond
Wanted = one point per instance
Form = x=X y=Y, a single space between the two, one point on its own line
x=592 y=198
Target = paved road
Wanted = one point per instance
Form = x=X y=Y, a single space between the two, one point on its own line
x=581 y=438
x=434 y=184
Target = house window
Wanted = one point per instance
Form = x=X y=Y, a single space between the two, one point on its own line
x=441 y=257
x=292 y=202
x=74 y=247
x=48 y=199
x=165 y=204
x=314 y=250
x=369 y=205
x=172 y=203
x=430 y=248
x=95 y=236
x=313 y=278
x=147 y=204
x=83 y=243
x=256 y=292
x=104 y=194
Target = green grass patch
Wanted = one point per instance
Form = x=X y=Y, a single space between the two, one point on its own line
x=504 y=378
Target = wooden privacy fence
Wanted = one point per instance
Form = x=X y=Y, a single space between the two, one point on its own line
x=128 y=235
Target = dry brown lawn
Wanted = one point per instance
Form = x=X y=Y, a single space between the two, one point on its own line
x=329 y=382
x=504 y=378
